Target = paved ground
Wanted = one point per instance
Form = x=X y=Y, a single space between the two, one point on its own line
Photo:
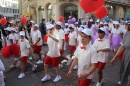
x=111 y=75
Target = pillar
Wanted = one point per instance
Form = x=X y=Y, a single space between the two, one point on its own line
x=116 y=12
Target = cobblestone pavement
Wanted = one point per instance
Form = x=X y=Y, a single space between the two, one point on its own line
x=111 y=75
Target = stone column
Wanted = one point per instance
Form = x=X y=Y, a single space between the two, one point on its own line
x=37 y=16
x=116 y=12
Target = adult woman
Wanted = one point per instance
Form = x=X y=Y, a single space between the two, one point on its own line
x=125 y=64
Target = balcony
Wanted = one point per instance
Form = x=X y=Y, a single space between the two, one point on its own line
x=122 y=2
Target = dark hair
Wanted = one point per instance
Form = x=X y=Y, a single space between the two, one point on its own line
x=71 y=28
x=43 y=19
x=88 y=36
x=22 y=28
x=100 y=31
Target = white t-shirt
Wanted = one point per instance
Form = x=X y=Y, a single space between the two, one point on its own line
x=36 y=36
x=15 y=37
x=61 y=36
x=79 y=39
x=8 y=39
x=24 y=47
x=66 y=30
x=53 y=47
x=116 y=32
x=72 y=37
x=85 y=59
x=102 y=56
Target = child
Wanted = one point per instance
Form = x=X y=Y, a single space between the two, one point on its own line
x=72 y=39
x=79 y=36
x=25 y=48
x=61 y=42
x=102 y=46
x=53 y=55
x=37 y=42
x=86 y=58
x=13 y=31
x=66 y=30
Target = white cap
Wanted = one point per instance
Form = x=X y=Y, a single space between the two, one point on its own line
x=36 y=25
x=12 y=21
x=76 y=23
x=103 y=29
x=105 y=23
x=32 y=21
x=8 y=29
x=91 y=20
x=116 y=22
x=87 y=32
x=98 y=20
x=49 y=26
x=59 y=23
x=22 y=33
x=101 y=22
x=66 y=24
x=72 y=26
x=80 y=29
x=13 y=29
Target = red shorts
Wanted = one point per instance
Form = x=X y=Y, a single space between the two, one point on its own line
x=66 y=37
x=101 y=65
x=61 y=52
x=37 y=48
x=24 y=59
x=55 y=61
x=72 y=48
x=84 y=82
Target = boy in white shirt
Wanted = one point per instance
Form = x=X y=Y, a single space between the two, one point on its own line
x=72 y=39
x=25 y=48
x=102 y=46
x=53 y=55
x=61 y=42
x=86 y=58
x=37 y=42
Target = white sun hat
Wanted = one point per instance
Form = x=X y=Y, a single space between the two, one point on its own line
x=49 y=26
x=8 y=29
x=36 y=25
x=22 y=33
x=87 y=32
x=59 y=23
x=80 y=29
x=103 y=29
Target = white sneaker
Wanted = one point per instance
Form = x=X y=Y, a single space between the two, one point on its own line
x=98 y=84
x=42 y=52
x=21 y=75
x=60 y=65
x=12 y=66
x=119 y=83
x=75 y=67
x=58 y=78
x=69 y=61
x=34 y=67
x=40 y=62
x=30 y=58
x=46 y=77
x=18 y=64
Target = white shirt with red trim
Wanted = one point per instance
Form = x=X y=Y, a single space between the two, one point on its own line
x=8 y=39
x=72 y=38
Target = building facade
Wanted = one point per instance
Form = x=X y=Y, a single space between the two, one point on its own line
x=38 y=9
x=9 y=9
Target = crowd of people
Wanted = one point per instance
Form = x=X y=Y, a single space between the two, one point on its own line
x=89 y=42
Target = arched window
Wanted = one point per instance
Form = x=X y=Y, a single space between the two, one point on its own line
x=121 y=12
x=110 y=10
x=49 y=12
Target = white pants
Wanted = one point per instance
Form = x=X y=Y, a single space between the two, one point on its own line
x=2 y=79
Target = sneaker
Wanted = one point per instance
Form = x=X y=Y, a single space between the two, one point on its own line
x=45 y=78
x=98 y=84
x=40 y=62
x=34 y=67
x=18 y=64
x=69 y=61
x=42 y=52
x=12 y=66
x=21 y=75
x=43 y=56
x=75 y=67
x=58 y=78
x=30 y=58
x=60 y=65
x=119 y=83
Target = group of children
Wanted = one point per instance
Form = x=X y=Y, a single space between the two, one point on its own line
x=90 y=47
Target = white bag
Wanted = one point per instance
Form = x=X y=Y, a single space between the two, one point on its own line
x=2 y=68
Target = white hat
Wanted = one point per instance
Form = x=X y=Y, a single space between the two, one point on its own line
x=8 y=29
x=59 y=23
x=116 y=22
x=49 y=26
x=13 y=29
x=72 y=26
x=101 y=22
x=12 y=21
x=80 y=29
x=22 y=33
x=76 y=23
x=66 y=24
x=91 y=20
x=36 y=25
x=98 y=20
x=103 y=29
x=32 y=21
x=87 y=32
x=105 y=23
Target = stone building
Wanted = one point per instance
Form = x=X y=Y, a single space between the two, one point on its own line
x=38 y=9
